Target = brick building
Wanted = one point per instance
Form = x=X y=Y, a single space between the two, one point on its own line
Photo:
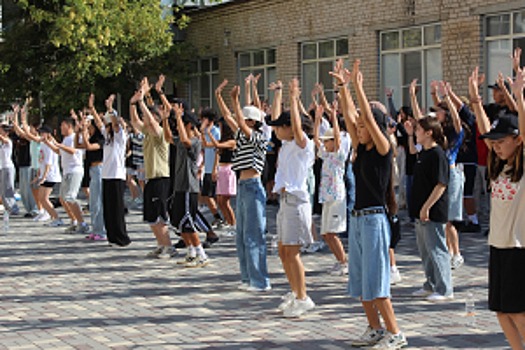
x=396 y=40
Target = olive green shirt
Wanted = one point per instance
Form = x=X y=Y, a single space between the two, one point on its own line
x=156 y=155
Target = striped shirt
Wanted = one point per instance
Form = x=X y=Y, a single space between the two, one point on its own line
x=250 y=153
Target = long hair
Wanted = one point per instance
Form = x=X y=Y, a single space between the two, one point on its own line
x=495 y=165
x=432 y=124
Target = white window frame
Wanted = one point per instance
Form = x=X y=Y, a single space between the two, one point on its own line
x=424 y=93
x=510 y=36
x=196 y=86
x=263 y=91
x=328 y=90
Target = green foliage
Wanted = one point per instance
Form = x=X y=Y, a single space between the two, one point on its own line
x=63 y=49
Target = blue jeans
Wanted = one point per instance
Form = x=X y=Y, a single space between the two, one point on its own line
x=368 y=259
x=24 y=182
x=251 y=232
x=95 y=200
x=432 y=245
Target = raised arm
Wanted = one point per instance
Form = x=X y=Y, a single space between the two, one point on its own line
x=390 y=101
x=516 y=59
x=380 y=140
x=517 y=88
x=277 y=88
x=136 y=123
x=456 y=121
x=409 y=129
x=475 y=101
x=295 y=117
x=335 y=127
x=255 y=93
x=413 y=100
x=225 y=111
x=319 y=110
x=322 y=98
x=91 y=106
x=509 y=100
x=159 y=85
x=115 y=122
x=183 y=136
x=247 y=92
x=230 y=144
x=434 y=92
x=348 y=108
x=235 y=92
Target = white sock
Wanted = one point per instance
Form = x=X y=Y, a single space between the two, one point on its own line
x=474 y=219
x=393 y=268
x=200 y=251
x=191 y=251
x=74 y=222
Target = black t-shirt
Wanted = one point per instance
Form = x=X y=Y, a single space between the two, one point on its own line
x=23 y=154
x=97 y=155
x=226 y=156
x=494 y=111
x=370 y=192
x=430 y=169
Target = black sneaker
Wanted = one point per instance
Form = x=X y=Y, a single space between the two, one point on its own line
x=180 y=244
x=470 y=227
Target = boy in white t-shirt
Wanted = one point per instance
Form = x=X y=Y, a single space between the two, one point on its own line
x=73 y=171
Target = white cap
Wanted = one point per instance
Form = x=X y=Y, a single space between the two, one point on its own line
x=253 y=113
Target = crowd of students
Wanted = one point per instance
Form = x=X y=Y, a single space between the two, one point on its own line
x=368 y=162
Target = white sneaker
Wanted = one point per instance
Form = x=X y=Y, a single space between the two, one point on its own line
x=369 y=337
x=395 y=277
x=422 y=293
x=56 y=223
x=243 y=286
x=456 y=261
x=391 y=341
x=288 y=299
x=166 y=253
x=339 y=269
x=43 y=217
x=258 y=290
x=299 y=307
x=436 y=297
x=315 y=247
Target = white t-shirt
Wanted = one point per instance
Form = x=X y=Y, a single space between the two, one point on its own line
x=113 y=164
x=6 y=150
x=49 y=157
x=71 y=163
x=507 y=219
x=294 y=164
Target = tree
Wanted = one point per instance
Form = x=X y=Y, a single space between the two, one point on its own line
x=61 y=50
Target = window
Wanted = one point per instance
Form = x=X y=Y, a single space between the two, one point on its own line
x=407 y=54
x=503 y=33
x=1 y=20
x=204 y=82
x=257 y=62
x=318 y=59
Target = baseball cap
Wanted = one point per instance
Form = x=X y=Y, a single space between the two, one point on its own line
x=505 y=125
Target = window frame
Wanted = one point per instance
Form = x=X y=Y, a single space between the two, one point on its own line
x=210 y=73
x=328 y=90
x=510 y=36
x=423 y=48
x=266 y=66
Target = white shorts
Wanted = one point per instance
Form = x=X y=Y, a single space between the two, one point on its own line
x=294 y=220
x=334 y=217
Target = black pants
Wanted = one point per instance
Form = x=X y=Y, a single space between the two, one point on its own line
x=114 y=211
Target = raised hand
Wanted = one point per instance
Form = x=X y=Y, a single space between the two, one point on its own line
x=294 y=89
x=256 y=78
x=137 y=96
x=91 y=101
x=145 y=85
x=516 y=58
x=356 y=76
x=248 y=79
x=434 y=84
x=412 y=89
x=389 y=92
x=319 y=110
x=178 y=109
x=109 y=101
x=221 y=86
x=338 y=73
x=473 y=87
x=160 y=83
x=276 y=86
x=409 y=127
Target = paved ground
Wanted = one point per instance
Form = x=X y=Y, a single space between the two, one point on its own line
x=58 y=292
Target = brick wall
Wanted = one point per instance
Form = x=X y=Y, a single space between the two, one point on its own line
x=284 y=24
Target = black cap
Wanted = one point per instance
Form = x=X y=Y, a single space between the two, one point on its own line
x=496 y=86
x=190 y=118
x=46 y=128
x=284 y=119
x=505 y=125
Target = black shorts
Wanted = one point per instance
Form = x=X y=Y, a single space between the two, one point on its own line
x=183 y=212
x=156 y=193
x=506 y=282
x=270 y=167
x=208 y=186
x=470 y=171
x=49 y=184
x=85 y=178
